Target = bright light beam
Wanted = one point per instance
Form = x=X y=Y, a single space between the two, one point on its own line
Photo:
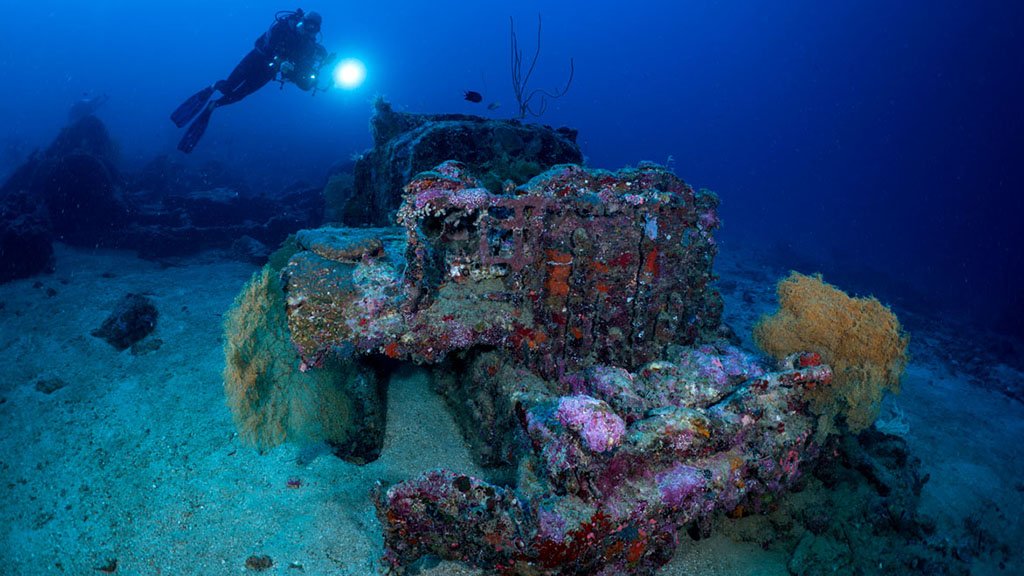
x=349 y=74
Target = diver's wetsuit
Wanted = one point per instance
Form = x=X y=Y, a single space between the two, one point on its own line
x=251 y=74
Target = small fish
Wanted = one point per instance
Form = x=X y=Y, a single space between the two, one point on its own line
x=493 y=106
x=474 y=97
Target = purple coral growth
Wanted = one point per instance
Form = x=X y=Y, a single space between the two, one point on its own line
x=677 y=484
x=722 y=368
x=610 y=381
x=739 y=364
x=471 y=198
x=593 y=420
x=550 y=524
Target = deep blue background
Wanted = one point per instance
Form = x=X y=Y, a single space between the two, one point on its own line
x=873 y=139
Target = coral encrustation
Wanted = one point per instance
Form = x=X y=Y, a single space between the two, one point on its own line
x=575 y=268
x=597 y=496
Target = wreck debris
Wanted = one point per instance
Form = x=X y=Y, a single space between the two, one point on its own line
x=404 y=144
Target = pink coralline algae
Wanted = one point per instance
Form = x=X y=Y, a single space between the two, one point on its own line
x=679 y=483
x=593 y=420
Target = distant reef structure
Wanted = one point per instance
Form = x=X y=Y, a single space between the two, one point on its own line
x=74 y=192
x=67 y=192
x=499 y=153
x=572 y=325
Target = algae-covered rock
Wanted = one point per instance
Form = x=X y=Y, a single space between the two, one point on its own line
x=25 y=237
x=340 y=244
x=133 y=318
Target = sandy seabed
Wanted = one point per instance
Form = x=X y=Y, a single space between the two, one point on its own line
x=129 y=461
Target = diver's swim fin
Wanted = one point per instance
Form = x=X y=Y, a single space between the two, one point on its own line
x=194 y=105
x=195 y=131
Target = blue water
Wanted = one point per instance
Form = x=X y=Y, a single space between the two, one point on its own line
x=880 y=142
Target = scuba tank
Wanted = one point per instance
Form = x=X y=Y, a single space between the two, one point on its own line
x=282 y=17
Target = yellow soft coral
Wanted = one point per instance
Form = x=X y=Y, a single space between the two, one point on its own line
x=859 y=337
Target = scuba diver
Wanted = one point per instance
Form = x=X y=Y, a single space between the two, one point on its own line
x=288 y=51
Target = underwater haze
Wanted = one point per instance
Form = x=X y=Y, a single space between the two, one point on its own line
x=291 y=335
x=878 y=142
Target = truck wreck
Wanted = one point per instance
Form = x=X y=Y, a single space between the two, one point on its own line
x=572 y=326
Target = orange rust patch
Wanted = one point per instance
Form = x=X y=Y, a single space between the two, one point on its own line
x=701 y=429
x=737 y=512
x=576 y=332
x=391 y=350
x=536 y=339
x=557 y=283
x=556 y=257
x=651 y=261
x=734 y=463
x=494 y=540
x=603 y=288
x=636 y=551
